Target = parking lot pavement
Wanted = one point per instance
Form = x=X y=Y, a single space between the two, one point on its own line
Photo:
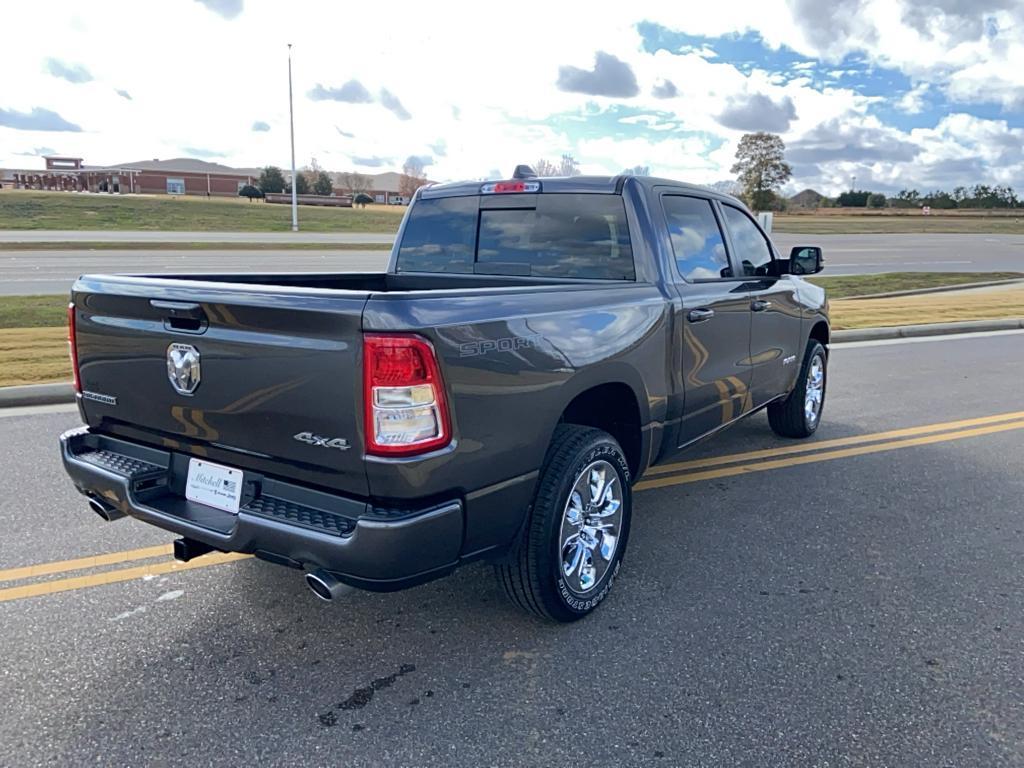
x=853 y=600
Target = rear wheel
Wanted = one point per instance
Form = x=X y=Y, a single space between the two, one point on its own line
x=570 y=551
x=800 y=413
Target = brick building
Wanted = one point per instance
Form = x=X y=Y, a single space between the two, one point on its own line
x=180 y=176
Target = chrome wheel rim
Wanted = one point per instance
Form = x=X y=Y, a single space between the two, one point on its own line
x=815 y=390
x=591 y=523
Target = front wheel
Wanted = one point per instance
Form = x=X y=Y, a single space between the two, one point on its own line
x=570 y=551
x=800 y=413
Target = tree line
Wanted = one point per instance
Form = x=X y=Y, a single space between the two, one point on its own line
x=978 y=196
x=316 y=181
x=762 y=170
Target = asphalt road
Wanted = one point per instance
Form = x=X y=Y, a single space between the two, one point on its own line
x=856 y=606
x=40 y=272
x=149 y=236
x=869 y=254
x=28 y=272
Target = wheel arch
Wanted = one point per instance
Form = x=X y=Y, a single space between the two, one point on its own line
x=820 y=332
x=616 y=405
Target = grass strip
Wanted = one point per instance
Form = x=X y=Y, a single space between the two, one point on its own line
x=34 y=311
x=911 y=223
x=990 y=304
x=841 y=287
x=33 y=356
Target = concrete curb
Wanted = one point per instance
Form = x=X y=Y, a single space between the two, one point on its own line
x=929 y=329
x=936 y=289
x=37 y=394
x=49 y=394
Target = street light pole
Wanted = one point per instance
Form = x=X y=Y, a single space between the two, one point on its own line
x=291 y=120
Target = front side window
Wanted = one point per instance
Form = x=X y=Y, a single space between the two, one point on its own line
x=175 y=186
x=696 y=239
x=751 y=248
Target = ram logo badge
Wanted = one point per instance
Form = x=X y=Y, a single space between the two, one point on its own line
x=322 y=442
x=183 y=368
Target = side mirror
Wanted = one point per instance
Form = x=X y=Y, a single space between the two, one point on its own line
x=806 y=260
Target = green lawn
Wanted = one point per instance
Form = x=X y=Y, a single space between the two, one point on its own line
x=864 y=285
x=68 y=210
x=911 y=223
x=33 y=311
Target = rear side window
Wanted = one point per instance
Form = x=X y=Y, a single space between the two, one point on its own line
x=696 y=238
x=751 y=248
x=554 y=235
x=440 y=236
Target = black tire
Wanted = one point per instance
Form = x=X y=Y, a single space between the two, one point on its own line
x=788 y=418
x=533 y=576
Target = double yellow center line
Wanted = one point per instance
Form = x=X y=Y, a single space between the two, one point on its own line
x=827 y=450
x=657 y=477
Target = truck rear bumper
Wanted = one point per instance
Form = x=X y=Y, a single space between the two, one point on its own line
x=375 y=549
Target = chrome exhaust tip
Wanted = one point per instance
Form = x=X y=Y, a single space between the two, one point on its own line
x=324 y=585
x=104 y=510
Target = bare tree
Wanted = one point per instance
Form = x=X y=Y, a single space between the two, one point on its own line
x=545 y=168
x=638 y=170
x=413 y=177
x=354 y=182
x=568 y=166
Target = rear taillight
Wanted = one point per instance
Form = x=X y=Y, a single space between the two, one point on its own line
x=73 y=348
x=406 y=411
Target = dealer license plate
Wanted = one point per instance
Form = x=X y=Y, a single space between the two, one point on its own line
x=214 y=485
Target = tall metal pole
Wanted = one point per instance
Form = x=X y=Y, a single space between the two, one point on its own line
x=291 y=120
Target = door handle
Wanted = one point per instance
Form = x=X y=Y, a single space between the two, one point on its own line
x=177 y=308
x=186 y=316
x=759 y=305
x=700 y=315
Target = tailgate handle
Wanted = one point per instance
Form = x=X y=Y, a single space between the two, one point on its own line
x=186 y=316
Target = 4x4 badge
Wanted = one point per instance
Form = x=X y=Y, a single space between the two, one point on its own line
x=322 y=442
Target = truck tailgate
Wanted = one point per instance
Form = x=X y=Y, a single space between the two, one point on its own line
x=278 y=372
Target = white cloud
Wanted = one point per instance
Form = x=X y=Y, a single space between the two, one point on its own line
x=492 y=97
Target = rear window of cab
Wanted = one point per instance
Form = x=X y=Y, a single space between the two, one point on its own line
x=542 y=235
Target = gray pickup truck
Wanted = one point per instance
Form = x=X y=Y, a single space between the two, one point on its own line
x=533 y=347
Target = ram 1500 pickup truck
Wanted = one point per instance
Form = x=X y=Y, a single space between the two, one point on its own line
x=534 y=346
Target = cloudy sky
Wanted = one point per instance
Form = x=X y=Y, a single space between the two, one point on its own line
x=899 y=93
